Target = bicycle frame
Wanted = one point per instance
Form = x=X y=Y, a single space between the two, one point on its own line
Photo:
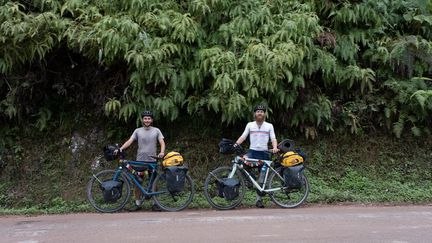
x=152 y=166
x=238 y=163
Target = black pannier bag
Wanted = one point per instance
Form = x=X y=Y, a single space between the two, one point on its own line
x=111 y=190
x=293 y=176
x=175 y=177
x=228 y=188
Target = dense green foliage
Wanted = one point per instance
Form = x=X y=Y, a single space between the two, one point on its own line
x=348 y=66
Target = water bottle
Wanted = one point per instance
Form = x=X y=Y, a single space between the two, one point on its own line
x=262 y=174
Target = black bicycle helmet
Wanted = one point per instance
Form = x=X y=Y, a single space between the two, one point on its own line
x=260 y=107
x=286 y=145
x=146 y=113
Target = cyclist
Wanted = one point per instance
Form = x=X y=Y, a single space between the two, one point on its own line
x=147 y=137
x=260 y=132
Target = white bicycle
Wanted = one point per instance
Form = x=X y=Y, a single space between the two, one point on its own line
x=225 y=187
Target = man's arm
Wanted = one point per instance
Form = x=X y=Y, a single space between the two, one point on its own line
x=162 y=148
x=273 y=140
x=274 y=144
x=243 y=136
x=127 y=144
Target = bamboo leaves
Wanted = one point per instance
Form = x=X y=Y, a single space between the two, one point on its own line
x=327 y=64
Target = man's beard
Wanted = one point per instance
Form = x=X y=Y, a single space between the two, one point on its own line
x=149 y=125
x=259 y=118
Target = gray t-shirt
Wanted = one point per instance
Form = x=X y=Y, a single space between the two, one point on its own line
x=147 y=142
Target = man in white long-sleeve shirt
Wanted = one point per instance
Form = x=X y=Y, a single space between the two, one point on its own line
x=259 y=132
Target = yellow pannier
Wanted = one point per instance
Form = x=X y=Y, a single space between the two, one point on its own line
x=291 y=158
x=172 y=159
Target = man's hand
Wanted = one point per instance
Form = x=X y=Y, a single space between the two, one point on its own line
x=275 y=150
x=161 y=155
x=117 y=151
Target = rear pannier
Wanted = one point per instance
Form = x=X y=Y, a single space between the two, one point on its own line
x=293 y=176
x=175 y=178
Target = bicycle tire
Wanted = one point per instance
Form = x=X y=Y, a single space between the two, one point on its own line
x=211 y=191
x=94 y=193
x=167 y=201
x=286 y=198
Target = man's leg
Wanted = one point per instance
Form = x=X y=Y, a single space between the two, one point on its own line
x=137 y=192
x=152 y=176
x=264 y=156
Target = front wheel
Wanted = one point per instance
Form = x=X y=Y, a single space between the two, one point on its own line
x=172 y=202
x=286 y=197
x=212 y=193
x=99 y=200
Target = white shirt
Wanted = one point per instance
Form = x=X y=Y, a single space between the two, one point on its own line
x=259 y=135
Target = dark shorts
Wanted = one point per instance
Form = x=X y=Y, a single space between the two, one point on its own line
x=254 y=154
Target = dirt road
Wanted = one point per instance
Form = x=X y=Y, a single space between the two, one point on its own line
x=307 y=224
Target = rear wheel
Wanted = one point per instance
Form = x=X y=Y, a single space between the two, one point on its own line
x=285 y=197
x=211 y=189
x=172 y=201
x=95 y=193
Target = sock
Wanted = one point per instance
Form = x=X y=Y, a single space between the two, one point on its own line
x=138 y=202
x=258 y=198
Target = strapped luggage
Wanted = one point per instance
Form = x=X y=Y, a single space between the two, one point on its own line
x=172 y=159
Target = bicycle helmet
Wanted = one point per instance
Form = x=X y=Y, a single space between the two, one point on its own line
x=260 y=107
x=147 y=113
x=286 y=145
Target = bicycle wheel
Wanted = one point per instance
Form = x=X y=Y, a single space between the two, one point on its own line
x=287 y=198
x=95 y=193
x=211 y=190
x=172 y=201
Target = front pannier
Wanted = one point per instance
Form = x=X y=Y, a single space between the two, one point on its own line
x=293 y=176
x=175 y=178
x=228 y=188
x=111 y=190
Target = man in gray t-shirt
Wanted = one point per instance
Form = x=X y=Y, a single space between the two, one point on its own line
x=147 y=137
